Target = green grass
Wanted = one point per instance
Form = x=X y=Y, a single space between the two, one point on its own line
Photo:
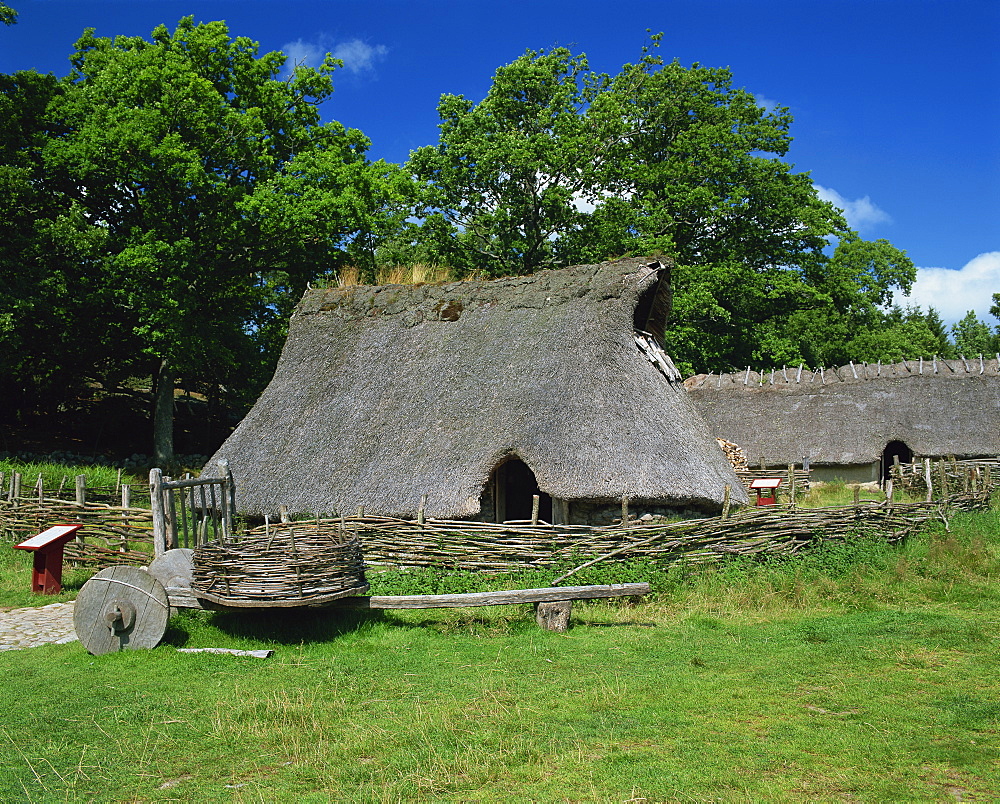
x=56 y=474
x=837 y=492
x=859 y=672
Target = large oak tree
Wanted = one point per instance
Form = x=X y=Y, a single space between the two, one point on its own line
x=201 y=192
x=560 y=165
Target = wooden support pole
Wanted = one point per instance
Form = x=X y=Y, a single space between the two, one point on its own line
x=927 y=478
x=81 y=490
x=624 y=512
x=159 y=513
x=535 y=502
x=726 y=501
x=554 y=615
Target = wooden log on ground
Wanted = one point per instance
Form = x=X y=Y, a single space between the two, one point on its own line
x=505 y=597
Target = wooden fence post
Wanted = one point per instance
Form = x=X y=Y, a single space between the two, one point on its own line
x=927 y=478
x=126 y=505
x=726 y=501
x=159 y=515
x=228 y=499
x=81 y=490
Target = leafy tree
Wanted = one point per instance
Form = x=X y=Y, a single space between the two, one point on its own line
x=8 y=16
x=561 y=165
x=901 y=335
x=202 y=194
x=974 y=336
x=52 y=331
x=500 y=185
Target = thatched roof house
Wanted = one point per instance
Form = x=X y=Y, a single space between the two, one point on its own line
x=851 y=421
x=477 y=394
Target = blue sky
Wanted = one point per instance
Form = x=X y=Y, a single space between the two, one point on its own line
x=896 y=102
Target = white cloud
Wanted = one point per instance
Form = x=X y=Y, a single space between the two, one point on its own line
x=766 y=104
x=302 y=53
x=861 y=214
x=358 y=56
x=953 y=293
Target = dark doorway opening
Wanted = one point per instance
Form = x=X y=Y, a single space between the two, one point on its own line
x=515 y=485
x=893 y=450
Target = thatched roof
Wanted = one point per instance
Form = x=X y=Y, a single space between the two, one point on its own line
x=848 y=415
x=384 y=394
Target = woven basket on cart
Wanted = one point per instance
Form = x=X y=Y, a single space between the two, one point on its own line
x=284 y=569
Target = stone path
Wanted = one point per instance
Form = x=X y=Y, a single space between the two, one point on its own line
x=44 y=625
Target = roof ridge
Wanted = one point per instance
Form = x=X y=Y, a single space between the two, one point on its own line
x=850 y=372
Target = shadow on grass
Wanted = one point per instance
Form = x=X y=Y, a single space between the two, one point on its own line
x=298 y=626
x=272 y=626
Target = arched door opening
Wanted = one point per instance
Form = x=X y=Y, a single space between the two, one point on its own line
x=893 y=450
x=514 y=485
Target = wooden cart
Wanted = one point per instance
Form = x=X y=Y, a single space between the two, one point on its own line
x=126 y=607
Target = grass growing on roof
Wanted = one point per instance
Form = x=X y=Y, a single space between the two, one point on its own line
x=858 y=671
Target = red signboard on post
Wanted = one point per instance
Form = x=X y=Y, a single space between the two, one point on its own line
x=46 y=574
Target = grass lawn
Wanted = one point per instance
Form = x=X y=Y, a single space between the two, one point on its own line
x=858 y=673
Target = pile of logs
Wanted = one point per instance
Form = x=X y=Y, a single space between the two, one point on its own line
x=733 y=453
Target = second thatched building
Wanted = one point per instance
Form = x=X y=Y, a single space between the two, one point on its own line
x=851 y=423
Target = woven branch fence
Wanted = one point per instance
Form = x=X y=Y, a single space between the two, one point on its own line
x=123 y=535
x=110 y=534
x=485 y=547
x=944 y=477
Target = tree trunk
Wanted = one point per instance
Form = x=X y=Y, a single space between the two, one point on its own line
x=163 y=416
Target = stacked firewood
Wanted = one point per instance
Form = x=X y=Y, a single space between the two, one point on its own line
x=734 y=454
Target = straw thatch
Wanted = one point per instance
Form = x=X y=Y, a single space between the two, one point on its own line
x=385 y=394
x=849 y=415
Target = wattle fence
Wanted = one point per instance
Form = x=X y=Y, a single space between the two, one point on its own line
x=122 y=534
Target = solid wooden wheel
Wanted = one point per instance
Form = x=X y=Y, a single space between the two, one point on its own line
x=174 y=568
x=121 y=608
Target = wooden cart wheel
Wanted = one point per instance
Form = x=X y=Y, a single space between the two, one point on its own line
x=174 y=568
x=121 y=608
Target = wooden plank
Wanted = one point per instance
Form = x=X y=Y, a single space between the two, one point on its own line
x=192 y=481
x=505 y=597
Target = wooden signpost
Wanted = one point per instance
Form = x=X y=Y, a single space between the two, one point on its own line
x=46 y=573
